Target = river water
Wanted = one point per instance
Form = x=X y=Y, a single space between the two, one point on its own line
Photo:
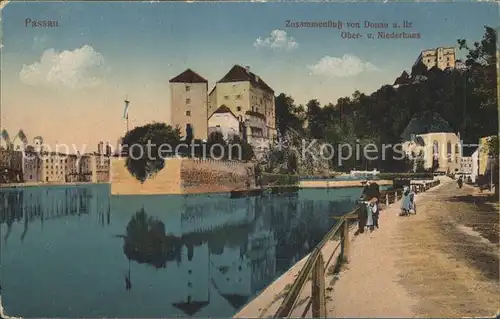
x=79 y=252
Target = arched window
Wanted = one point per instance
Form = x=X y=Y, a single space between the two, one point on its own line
x=448 y=148
x=435 y=148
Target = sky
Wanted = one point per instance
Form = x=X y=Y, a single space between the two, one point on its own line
x=68 y=83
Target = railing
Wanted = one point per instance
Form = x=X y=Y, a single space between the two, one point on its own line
x=315 y=266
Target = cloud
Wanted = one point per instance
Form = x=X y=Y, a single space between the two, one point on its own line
x=277 y=40
x=346 y=66
x=3 y=4
x=83 y=67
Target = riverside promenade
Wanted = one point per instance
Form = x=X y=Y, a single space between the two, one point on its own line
x=441 y=262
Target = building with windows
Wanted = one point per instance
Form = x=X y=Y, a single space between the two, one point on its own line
x=86 y=168
x=250 y=99
x=188 y=104
x=32 y=166
x=469 y=163
x=72 y=169
x=442 y=57
x=459 y=65
x=100 y=164
x=223 y=120
x=431 y=136
x=53 y=167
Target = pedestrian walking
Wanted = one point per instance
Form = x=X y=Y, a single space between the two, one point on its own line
x=406 y=204
x=362 y=211
x=413 y=198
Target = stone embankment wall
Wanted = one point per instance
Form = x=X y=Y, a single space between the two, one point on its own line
x=184 y=176
x=207 y=176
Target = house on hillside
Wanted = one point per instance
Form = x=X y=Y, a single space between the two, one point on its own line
x=223 y=120
x=248 y=97
x=469 y=163
x=431 y=135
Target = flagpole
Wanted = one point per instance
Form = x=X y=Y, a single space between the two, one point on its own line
x=126 y=110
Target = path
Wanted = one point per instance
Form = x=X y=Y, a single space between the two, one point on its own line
x=427 y=265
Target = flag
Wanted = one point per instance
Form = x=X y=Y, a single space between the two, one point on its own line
x=125 y=112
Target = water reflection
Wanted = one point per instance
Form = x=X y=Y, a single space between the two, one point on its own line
x=43 y=204
x=210 y=254
x=146 y=242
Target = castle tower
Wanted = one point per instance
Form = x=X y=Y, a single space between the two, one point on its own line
x=188 y=104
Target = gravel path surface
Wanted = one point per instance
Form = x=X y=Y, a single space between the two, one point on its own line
x=442 y=262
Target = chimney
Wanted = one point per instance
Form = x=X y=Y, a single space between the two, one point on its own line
x=256 y=78
x=247 y=68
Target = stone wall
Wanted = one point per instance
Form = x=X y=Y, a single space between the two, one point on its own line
x=166 y=181
x=184 y=176
x=207 y=176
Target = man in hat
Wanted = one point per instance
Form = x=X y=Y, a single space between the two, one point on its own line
x=362 y=213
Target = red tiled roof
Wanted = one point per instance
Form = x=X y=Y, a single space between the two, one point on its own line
x=224 y=109
x=188 y=76
x=240 y=74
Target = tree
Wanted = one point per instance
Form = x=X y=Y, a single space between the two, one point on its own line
x=217 y=146
x=492 y=143
x=482 y=75
x=419 y=163
x=314 y=118
x=145 y=241
x=287 y=114
x=147 y=148
x=243 y=149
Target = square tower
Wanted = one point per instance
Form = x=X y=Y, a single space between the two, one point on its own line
x=188 y=104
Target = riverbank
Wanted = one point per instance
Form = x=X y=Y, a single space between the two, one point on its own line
x=267 y=303
x=338 y=184
x=431 y=265
x=42 y=184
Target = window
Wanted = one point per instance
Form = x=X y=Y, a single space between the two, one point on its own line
x=188 y=88
x=448 y=148
x=188 y=101
x=188 y=113
x=435 y=148
x=238 y=108
x=238 y=97
x=226 y=97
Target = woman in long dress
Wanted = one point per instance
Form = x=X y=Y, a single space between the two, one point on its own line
x=371 y=208
x=406 y=204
